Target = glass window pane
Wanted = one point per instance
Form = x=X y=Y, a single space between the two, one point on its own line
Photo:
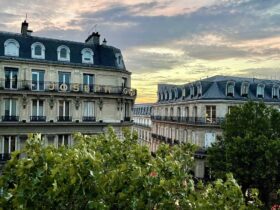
x=38 y=50
x=6 y=144
x=63 y=53
x=14 y=106
x=60 y=110
x=41 y=108
x=34 y=107
x=67 y=108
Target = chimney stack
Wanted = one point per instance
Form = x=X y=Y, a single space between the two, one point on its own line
x=104 y=42
x=24 y=29
x=94 y=38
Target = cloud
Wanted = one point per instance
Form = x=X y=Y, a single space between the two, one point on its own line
x=165 y=41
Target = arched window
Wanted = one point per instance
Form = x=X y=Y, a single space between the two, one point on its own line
x=87 y=55
x=245 y=89
x=275 y=91
x=11 y=47
x=63 y=53
x=38 y=50
x=260 y=91
x=230 y=89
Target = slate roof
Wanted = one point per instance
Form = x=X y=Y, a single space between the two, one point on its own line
x=214 y=88
x=104 y=56
x=142 y=109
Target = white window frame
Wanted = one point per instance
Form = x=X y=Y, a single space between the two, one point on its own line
x=83 y=52
x=10 y=106
x=227 y=88
x=64 y=108
x=11 y=41
x=59 y=58
x=275 y=91
x=43 y=49
x=37 y=108
x=260 y=87
x=247 y=85
x=17 y=147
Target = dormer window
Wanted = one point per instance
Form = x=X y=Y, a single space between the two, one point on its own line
x=192 y=91
x=275 y=92
x=11 y=48
x=245 y=89
x=260 y=91
x=166 y=95
x=230 y=89
x=119 y=60
x=87 y=56
x=199 y=90
x=63 y=53
x=38 y=50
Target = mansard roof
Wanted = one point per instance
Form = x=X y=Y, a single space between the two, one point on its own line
x=142 y=109
x=214 y=88
x=104 y=56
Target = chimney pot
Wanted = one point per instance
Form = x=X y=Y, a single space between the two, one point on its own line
x=24 y=29
x=94 y=38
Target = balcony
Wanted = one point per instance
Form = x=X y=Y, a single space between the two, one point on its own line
x=38 y=118
x=89 y=119
x=10 y=118
x=64 y=119
x=190 y=120
x=50 y=86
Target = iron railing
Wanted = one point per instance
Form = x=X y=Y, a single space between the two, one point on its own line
x=12 y=118
x=89 y=119
x=191 y=120
x=50 y=86
x=38 y=118
x=64 y=118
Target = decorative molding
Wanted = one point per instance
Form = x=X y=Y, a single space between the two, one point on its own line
x=51 y=102
x=100 y=104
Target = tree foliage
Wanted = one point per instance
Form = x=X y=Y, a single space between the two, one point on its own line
x=250 y=148
x=105 y=172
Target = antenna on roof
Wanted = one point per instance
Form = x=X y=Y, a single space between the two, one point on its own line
x=26 y=17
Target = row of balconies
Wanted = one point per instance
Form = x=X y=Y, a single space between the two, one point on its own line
x=59 y=119
x=50 y=86
x=142 y=124
x=164 y=139
x=191 y=120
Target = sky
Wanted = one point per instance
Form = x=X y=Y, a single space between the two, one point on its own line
x=165 y=41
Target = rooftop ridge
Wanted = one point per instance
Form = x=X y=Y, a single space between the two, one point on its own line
x=55 y=39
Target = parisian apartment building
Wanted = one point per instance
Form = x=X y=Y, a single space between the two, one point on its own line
x=57 y=88
x=193 y=113
x=143 y=124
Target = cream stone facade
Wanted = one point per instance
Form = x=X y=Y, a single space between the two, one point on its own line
x=143 y=124
x=84 y=88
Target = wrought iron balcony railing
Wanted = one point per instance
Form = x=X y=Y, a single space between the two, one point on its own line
x=38 y=118
x=191 y=120
x=12 y=118
x=64 y=118
x=89 y=119
x=50 y=86
x=127 y=119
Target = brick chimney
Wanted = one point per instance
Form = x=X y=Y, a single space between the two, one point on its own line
x=24 y=29
x=94 y=38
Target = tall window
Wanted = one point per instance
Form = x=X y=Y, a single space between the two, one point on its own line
x=64 y=111
x=88 y=114
x=230 y=89
x=88 y=82
x=126 y=112
x=64 y=81
x=260 y=91
x=8 y=145
x=11 y=47
x=119 y=60
x=10 y=110
x=210 y=114
x=37 y=111
x=38 y=80
x=245 y=89
x=11 y=78
x=199 y=90
x=87 y=56
x=192 y=91
x=124 y=82
x=63 y=140
x=195 y=113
